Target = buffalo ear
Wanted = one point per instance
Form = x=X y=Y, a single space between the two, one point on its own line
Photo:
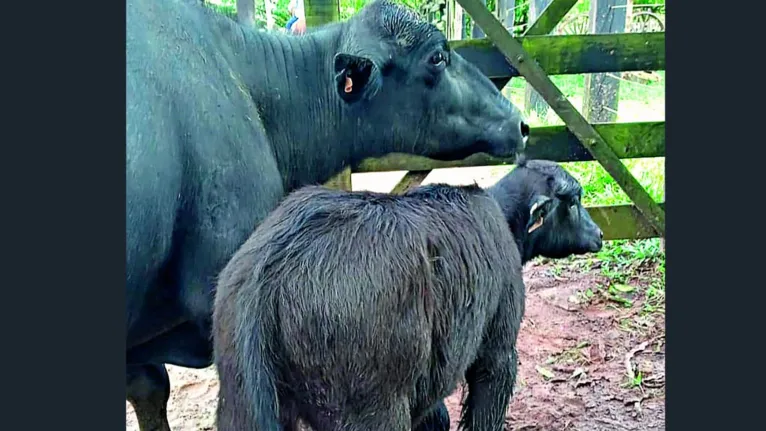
x=541 y=206
x=355 y=77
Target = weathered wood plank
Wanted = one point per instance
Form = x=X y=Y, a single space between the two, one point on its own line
x=627 y=140
x=557 y=143
x=571 y=54
x=341 y=180
x=410 y=180
x=535 y=75
x=622 y=222
x=550 y=17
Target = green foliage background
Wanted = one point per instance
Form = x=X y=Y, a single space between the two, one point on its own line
x=429 y=8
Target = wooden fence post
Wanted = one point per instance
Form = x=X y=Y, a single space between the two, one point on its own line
x=532 y=100
x=454 y=26
x=602 y=89
x=319 y=12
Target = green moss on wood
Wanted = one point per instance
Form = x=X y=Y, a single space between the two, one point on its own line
x=537 y=77
x=341 y=181
x=573 y=54
x=622 y=222
x=557 y=143
x=410 y=180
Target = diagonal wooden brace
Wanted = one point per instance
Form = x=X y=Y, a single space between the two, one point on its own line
x=550 y=17
x=544 y=24
x=574 y=121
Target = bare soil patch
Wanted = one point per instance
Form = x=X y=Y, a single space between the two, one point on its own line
x=575 y=354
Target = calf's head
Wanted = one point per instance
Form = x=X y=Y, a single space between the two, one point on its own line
x=396 y=74
x=542 y=204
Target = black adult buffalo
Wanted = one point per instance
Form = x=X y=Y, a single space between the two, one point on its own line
x=362 y=311
x=223 y=121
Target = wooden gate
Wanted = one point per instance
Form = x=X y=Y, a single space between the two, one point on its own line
x=535 y=56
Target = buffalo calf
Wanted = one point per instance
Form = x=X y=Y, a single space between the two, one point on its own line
x=360 y=311
x=542 y=204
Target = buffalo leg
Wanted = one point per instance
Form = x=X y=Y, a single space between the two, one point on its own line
x=490 y=386
x=436 y=420
x=148 y=390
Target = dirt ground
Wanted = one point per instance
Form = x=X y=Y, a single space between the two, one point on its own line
x=576 y=350
x=572 y=371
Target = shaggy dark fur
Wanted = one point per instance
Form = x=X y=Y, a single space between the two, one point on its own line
x=361 y=311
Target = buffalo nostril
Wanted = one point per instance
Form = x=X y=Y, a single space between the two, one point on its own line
x=601 y=234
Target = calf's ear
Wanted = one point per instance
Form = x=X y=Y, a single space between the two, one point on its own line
x=356 y=77
x=541 y=206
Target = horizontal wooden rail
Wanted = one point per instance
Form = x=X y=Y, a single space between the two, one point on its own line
x=622 y=222
x=556 y=143
x=571 y=54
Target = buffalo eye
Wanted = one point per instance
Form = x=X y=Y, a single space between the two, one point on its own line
x=438 y=59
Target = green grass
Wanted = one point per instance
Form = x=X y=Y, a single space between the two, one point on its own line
x=636 y=101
